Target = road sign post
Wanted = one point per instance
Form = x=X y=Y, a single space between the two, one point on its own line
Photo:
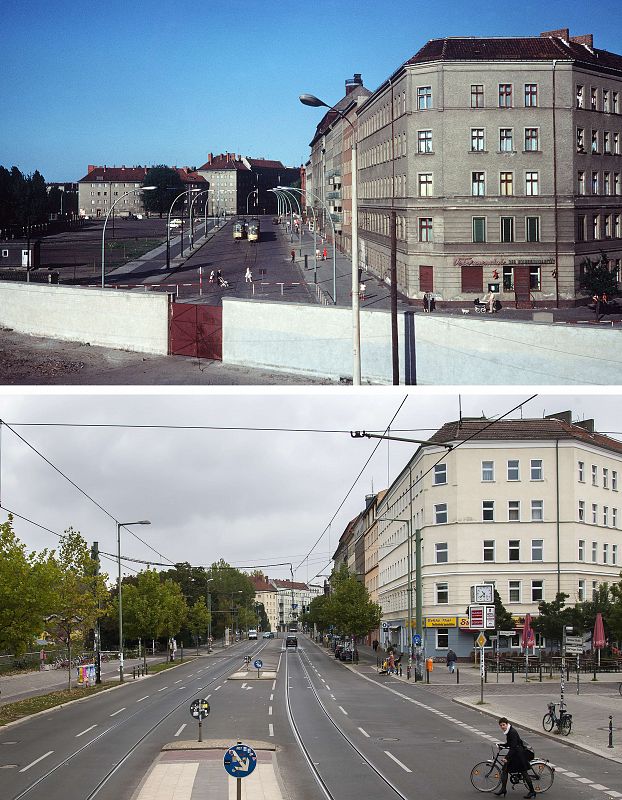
x=481 y=641
x=200 y=709
x=258 y=664
x=239 y=761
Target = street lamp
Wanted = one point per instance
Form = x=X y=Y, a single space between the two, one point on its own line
x=194 y=199
x=256 y=193
x=119 y=526
x=209 y=610
x=168 y=225
x=311 y=100
x=131 y=191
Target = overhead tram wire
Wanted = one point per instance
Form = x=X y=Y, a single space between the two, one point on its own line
x=244 y=428
x=75 y=485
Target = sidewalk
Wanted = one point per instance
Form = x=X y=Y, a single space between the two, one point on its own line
x=525 y=702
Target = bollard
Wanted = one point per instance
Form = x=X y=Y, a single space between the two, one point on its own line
x=458 y=675
x=306 y=261
x=134 y=672
x=408 y=673
x=594 y=678
x=567 y=672
x=427 y=674
x=512 y=673
x=400 y=670
x=610 y=731
x=485 y=676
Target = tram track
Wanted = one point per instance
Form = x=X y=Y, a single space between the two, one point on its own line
x=324 y=781
x=40 y=782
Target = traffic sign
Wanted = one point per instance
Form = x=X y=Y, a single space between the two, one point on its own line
x=199 y=709
x=481 y=640
x=385 y=626
x=258 y=663
x=416 y=639
x=490 y=618
x=240 y=760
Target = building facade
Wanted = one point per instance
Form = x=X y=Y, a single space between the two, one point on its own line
x=496 y=162
x=530 y=506
x=284 y=601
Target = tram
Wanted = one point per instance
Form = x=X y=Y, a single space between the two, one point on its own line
x=240 y=229
x=254 y=233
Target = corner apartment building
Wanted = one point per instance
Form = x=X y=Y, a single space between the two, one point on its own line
x=498 y=162
x=530 y=506
x=101 y=187
x=284 y=601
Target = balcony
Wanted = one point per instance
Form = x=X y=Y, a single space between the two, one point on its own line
x=334 y=195
x=337 y=218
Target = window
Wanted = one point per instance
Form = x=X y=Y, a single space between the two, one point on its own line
x=505 y=140
x=614 y=554
x=477 y=95
x=506 y=184
x=614 y=517
x=594 y=552
x=442 y=593
x=440 y=474
x=531 y=139
x=537 y=591
x=580 y=96
x=581 y=466
x=479 y=229
x=581 y=553
x=532 y=229
x=581 y=591
x=424 y=97
x=537 y=510
x=514 y=550
x=488 y=510
x=580 y=182
x=614 y=480
x=478 y=184
x=581 y=511
x=505 y=95
x=425 y=229
x=531 y=95
x=507 y=229
x=580 y=140
x=605 y=553
x=605 y=516
x=614 y=102
x=440 y=513
x=594 y=184
x=489 y=550
x=488 y=470
x=534 y=278
x=424 y=141
x=594 y=145
x=477 y=140
x=532 y=184
x=425 y=184
x=593 y=99
x=514 y=588
x=513 y=470
x=536 y=469
x=607 y=142
x=596 y=226
x=594 y=475
x=537 y=548
x=513 y=510
x=605 y=478
x=442 y=553
x=606 y=101
x=594 y=590
x=594 y=514
x=442 y=638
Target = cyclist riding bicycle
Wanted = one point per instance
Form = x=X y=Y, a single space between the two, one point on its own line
x=516 y=761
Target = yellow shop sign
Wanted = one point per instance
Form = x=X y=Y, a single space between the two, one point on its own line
x=440 y=622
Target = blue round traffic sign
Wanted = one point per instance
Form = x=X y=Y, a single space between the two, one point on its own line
x=416 y=639
x=240 y=760
x=258 y=663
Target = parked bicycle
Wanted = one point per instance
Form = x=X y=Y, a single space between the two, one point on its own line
x=486 y=775
x=562 y=721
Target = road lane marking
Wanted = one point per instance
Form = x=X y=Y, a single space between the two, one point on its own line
x=179 y=687
x=179 y=681
x=163 y=688
x=584 y=780
x=114 y=714
x=36 y=761
x=397 y=761
x=364 y=733
x=218 y=687
x=181 y=729
x=270 y=711
x=273 y=685
x=85 y=731
x=271 y=729
x=328 y=687
x=271 y=697
x=341 y=708
x=142 y=698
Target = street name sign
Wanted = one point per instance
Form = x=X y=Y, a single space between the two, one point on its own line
x=240 y=760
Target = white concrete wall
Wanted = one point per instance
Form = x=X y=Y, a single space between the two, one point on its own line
x=470 y=351
x=315 y=340
x=109 y=318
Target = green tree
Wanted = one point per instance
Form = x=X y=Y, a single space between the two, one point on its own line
x=26 y=591
x=351 y=611
x=198 y=619
x=614 y=615
x=169 y=185
x=553 y=617
x=597 y=277
x=503 y=618
x=319 y=613
x=142 y=608
x=174 y=609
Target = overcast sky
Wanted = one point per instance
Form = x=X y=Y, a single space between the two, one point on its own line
x=160 y=82
x=251 y=497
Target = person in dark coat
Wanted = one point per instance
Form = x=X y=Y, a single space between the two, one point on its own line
x=516 y=760
x=451 y=660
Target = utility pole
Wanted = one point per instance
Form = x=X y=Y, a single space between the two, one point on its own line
x=97 y=636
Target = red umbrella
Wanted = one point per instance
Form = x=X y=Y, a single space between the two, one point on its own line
x=598 y=637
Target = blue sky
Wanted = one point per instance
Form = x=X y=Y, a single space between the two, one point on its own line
x=164 y=82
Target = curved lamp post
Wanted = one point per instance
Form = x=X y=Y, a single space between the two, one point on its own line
x=311 y=100
x=168 y=225
x=285 y=198
x=256 y=193
x=119 y=526
x=118 y=200
x=288 y=189
x=194 y=199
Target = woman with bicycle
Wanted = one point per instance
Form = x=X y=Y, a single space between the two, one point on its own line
x=516 y=760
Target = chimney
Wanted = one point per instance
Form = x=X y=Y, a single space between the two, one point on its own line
x=586 y=39
x=563 y=33
x=90 y=168
x=210 y=158
x=586 y=424
x=353 y=83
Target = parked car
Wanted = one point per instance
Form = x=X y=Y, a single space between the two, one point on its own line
x=291 y=641
x=268 y=634
x=345 y=654
x=338 y=649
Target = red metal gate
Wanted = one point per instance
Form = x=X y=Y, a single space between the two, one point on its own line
x=196 y=330
x=522 y=289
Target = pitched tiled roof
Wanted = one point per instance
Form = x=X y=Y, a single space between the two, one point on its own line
x=261 y=584
x=222 y=162
x=116 y=174
x=548 y=429
x=534 y=48
x=288 y=584
x=189 y=176
x=265 y=163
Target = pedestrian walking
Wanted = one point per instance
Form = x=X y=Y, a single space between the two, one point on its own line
x=293 y=255
x=432 y=303
x=248 y=277
x=426 y=303
x=374 y=644
x=451 y=661
x=324 y=254
x=212 y=276
x=516 y=761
